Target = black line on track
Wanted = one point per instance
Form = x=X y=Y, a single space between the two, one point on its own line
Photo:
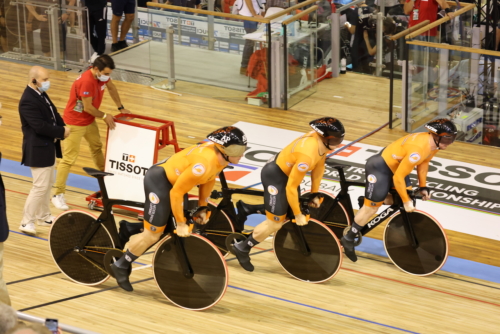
x=94 y=292
x=458 y=279
x=15 y=178
x=463 y=280
x=34 y=277
x=78 y=296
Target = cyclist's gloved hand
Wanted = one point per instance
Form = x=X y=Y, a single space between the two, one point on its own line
x=300 y=220
x=315 y=200
x=183 y=229
x=409 y=207
x=426 y=194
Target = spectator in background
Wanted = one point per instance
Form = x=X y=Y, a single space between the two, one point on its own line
x=97 y=25
x=389 y=28
x=4 y=233
x=185 y=3
x=421 y=10
x=38 y=13
x=43 y=129
x=8 y=318
x=249 y=8
x=119 y=7
x=3 y=28
x=357 y=23
x=389 y=6
x=80 y=114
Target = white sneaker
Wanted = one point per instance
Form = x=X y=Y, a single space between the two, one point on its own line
x=59 y=202
x=42 y=222
x=28 y=228
x=93 y=57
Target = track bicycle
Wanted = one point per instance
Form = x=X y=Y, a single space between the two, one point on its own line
x=190 y=272
x=415 y=242
x=309 y=253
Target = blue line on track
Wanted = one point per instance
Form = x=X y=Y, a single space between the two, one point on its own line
x=322 y=309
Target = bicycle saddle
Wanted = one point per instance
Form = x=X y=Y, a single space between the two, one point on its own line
x=333 y=164
x=95 y=173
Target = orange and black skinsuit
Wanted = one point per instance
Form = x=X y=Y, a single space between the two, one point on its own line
x=281 y=176
x=392 y=167
x=166 y=183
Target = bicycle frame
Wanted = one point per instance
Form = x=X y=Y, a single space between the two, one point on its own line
x=343 y=197
x=226 y=204
x=106 y=217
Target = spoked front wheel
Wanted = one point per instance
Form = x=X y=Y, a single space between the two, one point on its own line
x=219 y=226
x=316 y=261
x=82 y=265
x=200 y=287
x=431 y=250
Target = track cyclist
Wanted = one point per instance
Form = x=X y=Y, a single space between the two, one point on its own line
x=281 y=178
x=167 y=182
x=392 y=167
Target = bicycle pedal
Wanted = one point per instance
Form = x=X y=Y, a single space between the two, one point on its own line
x=110 y=257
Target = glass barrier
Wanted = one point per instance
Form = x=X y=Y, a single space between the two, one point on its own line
x=305 y=55
x=359 y=26
x=44 y=33
x=221 y=55
x=445 y=82
x=218 y=63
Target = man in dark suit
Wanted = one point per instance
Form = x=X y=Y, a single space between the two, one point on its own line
x=43 y=129
x=4 y=233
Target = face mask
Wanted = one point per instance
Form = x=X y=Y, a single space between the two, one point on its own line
x=103 y=77
x=45 y=86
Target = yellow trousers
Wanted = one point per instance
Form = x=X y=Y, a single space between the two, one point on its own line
x=71 y=150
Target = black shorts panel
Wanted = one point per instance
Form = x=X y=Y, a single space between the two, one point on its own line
x=157 y=190
x=379 y=179
x=274 y=182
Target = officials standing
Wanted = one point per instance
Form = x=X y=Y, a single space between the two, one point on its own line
x=43 y=129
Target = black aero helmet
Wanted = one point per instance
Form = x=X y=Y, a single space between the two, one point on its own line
x=443 y=129
x=230 y=140
x=330 y=129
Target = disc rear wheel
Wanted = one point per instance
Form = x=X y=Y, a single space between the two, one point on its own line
x=82 y=265
x=331 y=213
x=218 y=227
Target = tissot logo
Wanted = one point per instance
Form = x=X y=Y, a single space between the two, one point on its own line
x=127 y=157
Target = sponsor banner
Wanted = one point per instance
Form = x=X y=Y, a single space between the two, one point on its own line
x=465 y=197
x=153 y=26
x=129 y=154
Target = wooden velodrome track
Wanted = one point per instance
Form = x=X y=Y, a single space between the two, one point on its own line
x=370 y=296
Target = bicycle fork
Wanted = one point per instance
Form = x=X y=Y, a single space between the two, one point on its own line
x=183 y=259
x=409 y=228
x=303 y=247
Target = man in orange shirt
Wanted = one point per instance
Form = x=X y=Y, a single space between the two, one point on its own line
x=281 y=178
x=79 y=115
x=392 y=167
x=166 y=183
